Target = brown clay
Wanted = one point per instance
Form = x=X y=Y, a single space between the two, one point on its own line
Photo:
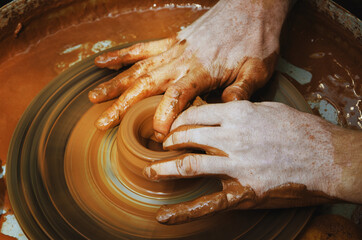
x=133 y=141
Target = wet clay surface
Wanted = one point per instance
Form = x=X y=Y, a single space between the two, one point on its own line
x=310 y=41
x=104 y=197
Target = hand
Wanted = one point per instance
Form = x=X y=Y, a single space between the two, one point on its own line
x=234 y=44
x=267 y=155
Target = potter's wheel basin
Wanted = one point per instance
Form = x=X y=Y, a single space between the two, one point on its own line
x=63 y=182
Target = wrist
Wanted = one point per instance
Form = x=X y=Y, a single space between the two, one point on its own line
x=348 y=156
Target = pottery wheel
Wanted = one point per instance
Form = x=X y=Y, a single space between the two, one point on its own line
x=62 y=182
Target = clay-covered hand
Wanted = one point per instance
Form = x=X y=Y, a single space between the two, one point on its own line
x=268 y=155
x=234 y=44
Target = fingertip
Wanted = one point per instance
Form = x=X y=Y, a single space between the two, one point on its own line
x=234 y=93
x=150 y=173
x=93 y=96
x=163 y=119
x=105 y=122
x=100 y=124
x=230 y=97
x=164 y=215
x=100 y=61
x=172 y=214
x=159 y=136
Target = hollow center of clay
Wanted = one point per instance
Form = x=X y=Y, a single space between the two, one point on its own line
x=145 y=135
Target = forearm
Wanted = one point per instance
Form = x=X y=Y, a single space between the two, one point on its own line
x=348 y=155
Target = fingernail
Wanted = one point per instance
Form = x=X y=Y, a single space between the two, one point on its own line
x=165 y=214
x=149 y=172
x=230 y=97
x=93 y=96
x=168 y=142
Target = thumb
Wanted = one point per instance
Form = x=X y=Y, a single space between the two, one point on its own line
x=253 y=75
x=187 y=211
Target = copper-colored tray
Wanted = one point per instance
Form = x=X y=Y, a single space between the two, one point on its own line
x=44 y=205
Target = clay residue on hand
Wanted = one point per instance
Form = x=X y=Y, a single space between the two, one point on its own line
x=236 y=196
x=232 y=194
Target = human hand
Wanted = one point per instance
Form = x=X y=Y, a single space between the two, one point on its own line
x=267 y=155
x=234 y=44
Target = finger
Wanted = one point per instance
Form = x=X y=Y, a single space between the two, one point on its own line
x=117 y=59
x=147 y=85
x=119 y=84
x=253 y=74
x=176 y=98
x=188 y=165
x=210 y=114
x=233 y=195
x=113 y=88
x=206 y=138
x=187 y=211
